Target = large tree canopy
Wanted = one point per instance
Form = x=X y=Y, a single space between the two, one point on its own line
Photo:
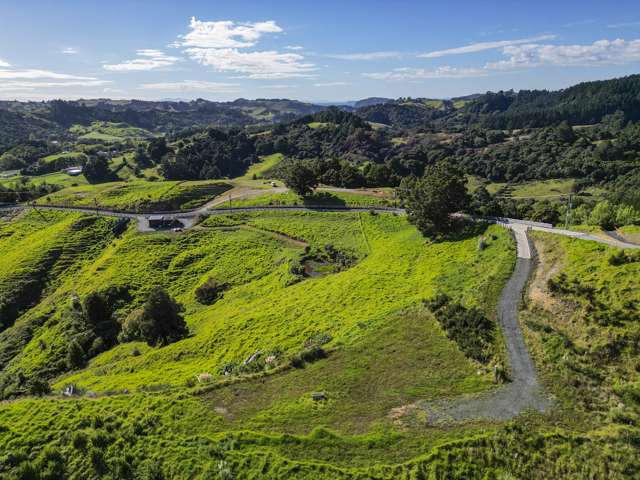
x=431 y=199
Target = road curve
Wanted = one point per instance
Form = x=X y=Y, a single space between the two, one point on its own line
x=189 y=217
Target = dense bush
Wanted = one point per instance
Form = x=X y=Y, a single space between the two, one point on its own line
x=431 y=199
x=158 y=322
x=468 y=327
x=210 y=291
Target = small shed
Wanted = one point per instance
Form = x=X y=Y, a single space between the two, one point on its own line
x=158 y=221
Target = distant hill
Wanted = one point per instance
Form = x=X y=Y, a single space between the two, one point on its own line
x=20 y=119
x=367 y=102
x=405 y=112
x=584 y=103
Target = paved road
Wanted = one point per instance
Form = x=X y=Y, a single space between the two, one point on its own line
x=189 y=217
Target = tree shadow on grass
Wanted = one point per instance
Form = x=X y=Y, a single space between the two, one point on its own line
x=462 y=229
x=323 y=199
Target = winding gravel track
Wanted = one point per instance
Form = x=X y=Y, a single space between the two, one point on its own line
x=524 y=391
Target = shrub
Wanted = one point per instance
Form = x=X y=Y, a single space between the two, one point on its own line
x=621 y=258
x=39 y=387
x=468 y=327
x=210 y=291
x=76 y=355
x=603 y=215
x=79 y=440
x=27 y=471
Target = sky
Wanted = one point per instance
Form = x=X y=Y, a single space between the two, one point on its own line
x=327 y=51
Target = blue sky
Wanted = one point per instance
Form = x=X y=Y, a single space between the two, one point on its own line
x=309 y=50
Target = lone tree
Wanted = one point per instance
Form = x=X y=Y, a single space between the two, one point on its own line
x=158 y=322
x=97 y=170
x=299 y=178
x=431 y=199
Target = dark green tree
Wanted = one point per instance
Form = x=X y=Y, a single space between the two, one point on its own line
x=76 y=356
x=431 y=199
x=299 y=178
x=159 y=322
x=97 y=170
x=157 y=149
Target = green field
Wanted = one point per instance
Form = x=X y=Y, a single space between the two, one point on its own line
x=556 y=188
x=139 y=195
x=81 y=157
x=315 y=125
x=110 y=132
x=57 y=178
x=320 y=198
x=263 y=168
x=141 y=410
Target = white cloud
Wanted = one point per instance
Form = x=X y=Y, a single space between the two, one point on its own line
x=14 y=86
x=29 y=81
x=479 y=47
x=277 y=87
x=256 y=65
x=220 y=45
x=4 y=64
x=148 y=60
x=192 y=86
x=225 y=34
x=294 y=47
x=331 y=84
x=70 y=51
x=404 y=74
x=364 y=56
x=31 y=74
x=624 y=25
x=601 y=52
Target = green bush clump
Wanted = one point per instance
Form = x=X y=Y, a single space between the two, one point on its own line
x=158 y=322
x=621 y=257
x=468 y=327
x=210 y=291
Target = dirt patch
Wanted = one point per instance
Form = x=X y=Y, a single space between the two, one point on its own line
x=546 y=269
x=625 y=237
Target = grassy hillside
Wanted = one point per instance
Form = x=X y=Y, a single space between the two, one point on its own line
x=384 y=350
x=109 y=132
x=142 y=413
x=139 y=195
x=321 y=197
x=263 y=168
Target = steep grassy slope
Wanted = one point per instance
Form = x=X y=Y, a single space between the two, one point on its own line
x=583 y=321
x=39 y=254
x=385 y=350
x=276 y=312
